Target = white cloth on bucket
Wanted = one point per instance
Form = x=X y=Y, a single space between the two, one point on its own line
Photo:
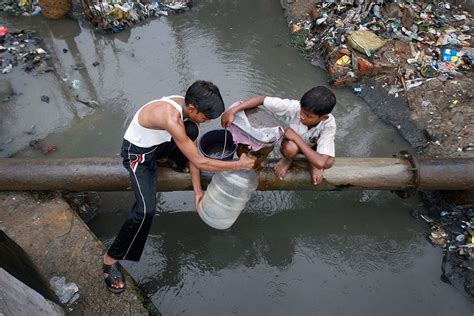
x=244 y=133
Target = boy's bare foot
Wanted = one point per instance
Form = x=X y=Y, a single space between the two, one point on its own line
x=282 y=167
x=317 y=175
x=117 y=281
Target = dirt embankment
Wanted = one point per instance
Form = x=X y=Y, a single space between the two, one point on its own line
x=411 y=82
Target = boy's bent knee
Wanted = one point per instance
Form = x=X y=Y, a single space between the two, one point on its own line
x=330 y=162
x=192 y=130
x=289 y=149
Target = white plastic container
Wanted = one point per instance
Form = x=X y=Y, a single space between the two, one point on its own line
x=226 y=197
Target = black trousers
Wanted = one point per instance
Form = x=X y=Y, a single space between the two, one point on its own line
x=142 y=168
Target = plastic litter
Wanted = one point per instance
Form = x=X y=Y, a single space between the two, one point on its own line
x=36 y=144
x=450 y=55
x=117 y=15
x=75 y=84
x=438 y=237
x=23 y=49
x=67 y=293
x=403 y=40
x=444 y=213
x=3 y=31
x=344 y=61
x=45 y=98
x=7 y=69
x=21 y=7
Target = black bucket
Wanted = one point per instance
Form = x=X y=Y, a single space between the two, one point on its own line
x=211 y=145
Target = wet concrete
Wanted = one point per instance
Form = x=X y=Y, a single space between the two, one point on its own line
x=60 y=244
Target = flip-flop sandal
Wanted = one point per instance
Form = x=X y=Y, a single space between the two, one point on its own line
x=168 y=163
x=114 y=274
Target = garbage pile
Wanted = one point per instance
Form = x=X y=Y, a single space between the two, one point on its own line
x=22 y=47
x=406 y=43
x=117 y=15
x=452 y=229
x=21 y=7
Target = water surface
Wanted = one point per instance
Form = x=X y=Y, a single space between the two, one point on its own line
x=302 y=253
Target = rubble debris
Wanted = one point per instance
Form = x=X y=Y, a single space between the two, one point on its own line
x=421 y=52
x=21 y=7
x=425 y=40
x=67 y=293
x=451 y=228
x=116 y=15
x=22 y=47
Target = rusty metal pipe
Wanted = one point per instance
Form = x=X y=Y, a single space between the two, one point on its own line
x=445 y=174
x=108 y=174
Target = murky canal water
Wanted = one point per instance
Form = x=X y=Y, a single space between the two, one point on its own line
x=350 y=253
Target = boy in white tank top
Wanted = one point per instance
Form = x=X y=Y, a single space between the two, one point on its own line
x=163 y=129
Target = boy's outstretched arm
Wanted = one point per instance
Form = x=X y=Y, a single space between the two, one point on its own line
x=196 y=179
x=317 y=160
x=228 y=116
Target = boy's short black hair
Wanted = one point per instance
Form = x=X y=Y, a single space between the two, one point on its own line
x=319 y=100
x=207 y=99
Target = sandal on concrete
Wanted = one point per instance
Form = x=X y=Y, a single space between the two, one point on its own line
x=114 y=274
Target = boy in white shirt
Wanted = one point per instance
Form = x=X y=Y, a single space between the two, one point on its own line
x=310 y=128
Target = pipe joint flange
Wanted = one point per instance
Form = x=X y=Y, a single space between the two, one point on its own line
x=412 y=188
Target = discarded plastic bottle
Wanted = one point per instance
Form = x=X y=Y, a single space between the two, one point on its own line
x=226 y=197
x=75 y=84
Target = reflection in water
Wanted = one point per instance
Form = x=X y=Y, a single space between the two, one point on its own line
x=182 y=248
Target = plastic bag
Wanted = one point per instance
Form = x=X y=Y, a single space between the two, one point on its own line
x=365 y=42
x=255 y=137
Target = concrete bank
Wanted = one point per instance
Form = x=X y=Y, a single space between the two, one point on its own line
x=60 y=244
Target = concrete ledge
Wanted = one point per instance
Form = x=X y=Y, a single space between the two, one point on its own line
x=59 y=243
x=18 y=299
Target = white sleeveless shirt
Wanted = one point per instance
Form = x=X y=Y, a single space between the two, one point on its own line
x=147 y=137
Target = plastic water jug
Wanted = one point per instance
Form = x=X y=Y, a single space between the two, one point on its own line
x=226 y=197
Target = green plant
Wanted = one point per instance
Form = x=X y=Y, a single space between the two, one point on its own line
x=298 y=40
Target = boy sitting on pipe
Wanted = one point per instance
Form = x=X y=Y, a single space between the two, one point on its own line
x=311 y=128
